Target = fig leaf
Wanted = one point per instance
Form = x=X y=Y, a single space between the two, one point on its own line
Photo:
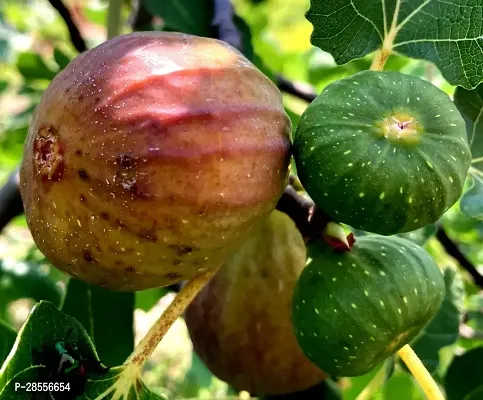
x=470 y=105
x=448 y=34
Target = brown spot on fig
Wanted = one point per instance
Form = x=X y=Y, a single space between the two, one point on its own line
x=180 y=249
x=148 y=235
x=82 y=198
x=176 y=262
x=48 y=157
x=125 y=161
x=130 y=269
x=104 y=215
x=80 y=97
x=78 y=152
x=83 y=174
x=89 y=257
x=172 y=276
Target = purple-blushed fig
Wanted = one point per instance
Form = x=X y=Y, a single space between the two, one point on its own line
x=151 y=158
x=240 y=323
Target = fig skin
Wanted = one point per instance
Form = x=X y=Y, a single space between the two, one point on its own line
x=240 y=322
x=151 y=158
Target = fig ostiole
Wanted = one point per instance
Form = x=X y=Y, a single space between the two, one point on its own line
x=240 y=322
x=150 y=159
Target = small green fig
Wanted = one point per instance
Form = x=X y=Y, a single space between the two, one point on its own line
x=240 y=323
x=151 y=157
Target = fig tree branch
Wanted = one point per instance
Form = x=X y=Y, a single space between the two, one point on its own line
x=75 y=35
x=453 y=250
x=227 y=31
x=10 y=200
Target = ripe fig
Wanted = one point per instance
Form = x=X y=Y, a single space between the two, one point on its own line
x=151 y=158
x=240 y=323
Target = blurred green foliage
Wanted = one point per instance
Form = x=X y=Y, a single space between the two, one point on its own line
x=35 y=45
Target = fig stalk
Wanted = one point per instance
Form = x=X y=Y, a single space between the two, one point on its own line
x=184 y=297
x=134 y=364
x=420 y=373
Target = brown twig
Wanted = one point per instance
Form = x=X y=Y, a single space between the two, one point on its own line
x=10 y=201
x=75 y=35
x=453 y=250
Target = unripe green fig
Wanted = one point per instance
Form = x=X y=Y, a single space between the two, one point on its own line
x=384 y=152
x=353 y=309
x=240 y=323
x=151 y=157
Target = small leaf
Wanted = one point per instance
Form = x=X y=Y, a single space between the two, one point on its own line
x=464 y=375
x=401 y=387
x=471 y=202
x=25 y=280
x=32 y=66
x=7 y=339
x=443 y=330
x=36 y=358
x=187 y=16
x=446 y=33
x=103 y=312
x=470 y=105
x=61 y=58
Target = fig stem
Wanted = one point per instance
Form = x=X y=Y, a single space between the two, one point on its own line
x=374 y=384
x=420 y=373
x=114 y=24
x=184 y=297
x=385 y=51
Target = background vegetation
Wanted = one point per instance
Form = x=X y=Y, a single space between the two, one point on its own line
x=38 y=38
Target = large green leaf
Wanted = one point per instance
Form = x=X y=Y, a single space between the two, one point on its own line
x=464 y=375
x=470 y=105
x=447 y=33
x=7 y=339
x=443 y=330
x=146 y=299
x=102 y=313
x=35 y=358
x=25 y=280
x=188 y=16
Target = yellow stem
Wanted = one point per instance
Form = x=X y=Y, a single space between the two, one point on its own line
x=420 y=373
x=375 y=383
x=151 y=340
x=380 y=59
x=131 y=372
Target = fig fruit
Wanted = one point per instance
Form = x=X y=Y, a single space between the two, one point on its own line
x=353 y=309
x=240 y=323
x=151 y=158
x=384 y=152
